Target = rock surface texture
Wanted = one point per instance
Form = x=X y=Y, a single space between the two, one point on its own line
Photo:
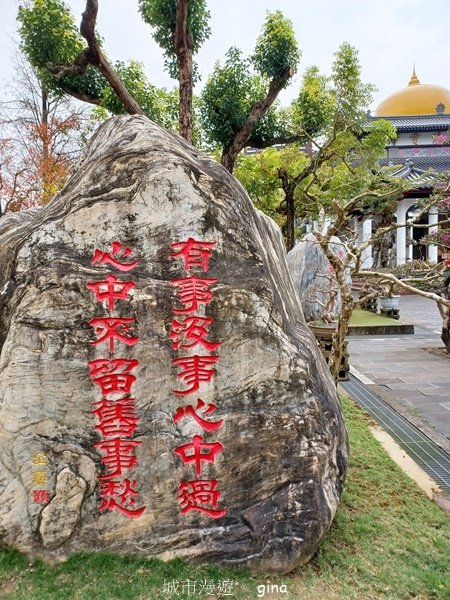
x=276 y=465
x=314 y=279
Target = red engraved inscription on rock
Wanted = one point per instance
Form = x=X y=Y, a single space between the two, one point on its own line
x=194 y=253
x=194 y=371
x=110 y=290
x=206 y=409
x=118 y=455
x=121 y=496
x=201 y=495
x=110 y=329
x=116 y=419
x=198 y=451
x=192 y=331
x=115 y=257
x=193 y=292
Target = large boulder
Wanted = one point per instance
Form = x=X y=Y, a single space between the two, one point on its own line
x=144 y=409
x=315 y=280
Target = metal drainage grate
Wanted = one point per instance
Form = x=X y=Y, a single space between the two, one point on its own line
x=433 y=460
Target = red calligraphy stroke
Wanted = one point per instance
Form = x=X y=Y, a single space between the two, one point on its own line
x=193 y=292
x=120 y=496
x=111 y=329
x=194 y=371
x=198 y=451
x=41 y=496
x=192 y=331
x=200 y=495
x=116 y=418
x=113 y=375
x=110 y=290
x=194 y=253
x=118 y=455
x=117 y=251
x=206 y=409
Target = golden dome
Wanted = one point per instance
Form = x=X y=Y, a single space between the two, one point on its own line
x=416 y=99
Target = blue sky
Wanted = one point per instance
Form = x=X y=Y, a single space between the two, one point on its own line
x=390 y=35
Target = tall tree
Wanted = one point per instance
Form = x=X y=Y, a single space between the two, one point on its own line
x=327 y=118
x=40 y=136
x=66 y=65
x=237 y=101
x=61 y=55
x=180 y=28
x=55 y=47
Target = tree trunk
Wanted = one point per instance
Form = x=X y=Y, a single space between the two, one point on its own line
x=347 y=302
x=45 y=139
x=130 y=104
x=290 y=220
x=183 y=49
x=96 y=58
x=445 y=335
x=258 y=110
x=337 y=346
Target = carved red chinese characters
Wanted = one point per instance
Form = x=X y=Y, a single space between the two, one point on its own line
x=194 y=253
x=190 y=328
x=118 y=253
x=200 y=495
x=190 y=411
x=116 y=415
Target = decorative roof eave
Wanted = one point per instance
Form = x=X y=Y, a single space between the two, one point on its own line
x=418 y=122
x=431 y=166
x=424 y=179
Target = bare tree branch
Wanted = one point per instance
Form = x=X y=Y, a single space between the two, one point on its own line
x=258 y=110
x=93 y=55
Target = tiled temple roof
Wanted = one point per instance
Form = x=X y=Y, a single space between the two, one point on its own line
x=418 y=123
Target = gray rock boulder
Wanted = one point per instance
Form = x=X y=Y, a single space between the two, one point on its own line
x=160 y=392
x=314 y=278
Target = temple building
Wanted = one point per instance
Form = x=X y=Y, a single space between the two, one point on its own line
x=421 y=115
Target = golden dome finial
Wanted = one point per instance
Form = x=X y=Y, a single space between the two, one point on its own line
x=414 y=79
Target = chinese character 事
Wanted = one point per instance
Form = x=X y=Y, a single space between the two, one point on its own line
x=194 y=371
x=193 y=292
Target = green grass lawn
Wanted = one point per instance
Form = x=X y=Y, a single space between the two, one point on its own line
x=388 y=541
x=363 y=318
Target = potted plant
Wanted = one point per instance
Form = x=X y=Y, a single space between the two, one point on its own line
x=389 y=302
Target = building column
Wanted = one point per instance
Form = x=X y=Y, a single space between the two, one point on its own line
x=366 y=256
x=410 y=243
x=401 y=233
x=433 y=218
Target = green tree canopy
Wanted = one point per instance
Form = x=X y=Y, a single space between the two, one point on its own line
x=341 y=155
x=162 y=16
x=276 y=51
x=228 y=98
x=52 y=43
x=239 y=99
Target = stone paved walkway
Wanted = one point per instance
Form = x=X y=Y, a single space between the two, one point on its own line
x=403 y=371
